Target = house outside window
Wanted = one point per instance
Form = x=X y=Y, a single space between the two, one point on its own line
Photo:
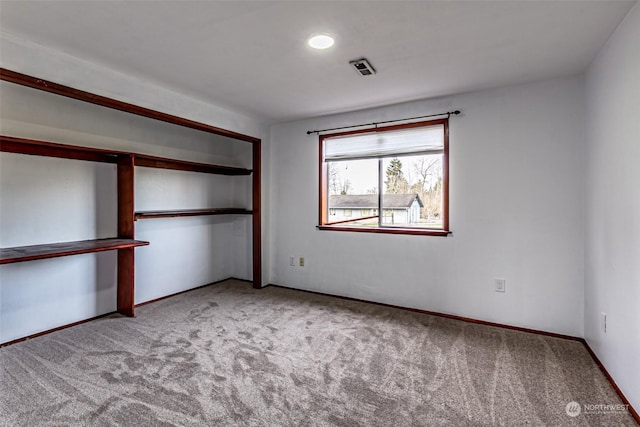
x=400 y=171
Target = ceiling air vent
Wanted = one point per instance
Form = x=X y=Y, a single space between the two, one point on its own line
x=363 y=67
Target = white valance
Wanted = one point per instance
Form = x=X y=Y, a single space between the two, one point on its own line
x=412 y=141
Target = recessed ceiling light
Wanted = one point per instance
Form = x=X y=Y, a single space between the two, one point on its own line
x=320 y=41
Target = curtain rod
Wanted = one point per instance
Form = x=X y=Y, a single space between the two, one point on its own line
x=448 y=114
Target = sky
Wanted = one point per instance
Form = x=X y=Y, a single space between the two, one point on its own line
x=363 y=174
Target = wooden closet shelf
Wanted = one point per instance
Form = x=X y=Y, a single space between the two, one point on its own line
x=12 y=144
x=52 y=250
x=163 y=163
x=50 y=149
x=191 y=212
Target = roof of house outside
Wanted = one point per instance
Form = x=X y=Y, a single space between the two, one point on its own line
x=362 y=201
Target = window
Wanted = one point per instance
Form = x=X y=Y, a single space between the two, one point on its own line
x=392 y=179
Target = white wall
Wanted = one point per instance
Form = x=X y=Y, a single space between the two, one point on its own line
x=517 y=186
x=612 y=282
x=47 y=200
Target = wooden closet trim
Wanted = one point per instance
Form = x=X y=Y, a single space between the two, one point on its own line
x=69 y=92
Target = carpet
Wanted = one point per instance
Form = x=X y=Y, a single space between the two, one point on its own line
x=228 y=355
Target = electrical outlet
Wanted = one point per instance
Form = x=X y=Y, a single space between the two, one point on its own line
x=603 y=322
x=501 y=285
x=301 y=261
x=292 y=261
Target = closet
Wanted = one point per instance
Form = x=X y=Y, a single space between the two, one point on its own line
x=124 y=242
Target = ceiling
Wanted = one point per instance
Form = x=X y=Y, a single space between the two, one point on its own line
x=252 y=56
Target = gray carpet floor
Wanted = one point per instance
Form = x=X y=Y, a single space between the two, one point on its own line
x=230 y=355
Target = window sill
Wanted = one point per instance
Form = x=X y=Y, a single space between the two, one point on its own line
x=387 y=230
